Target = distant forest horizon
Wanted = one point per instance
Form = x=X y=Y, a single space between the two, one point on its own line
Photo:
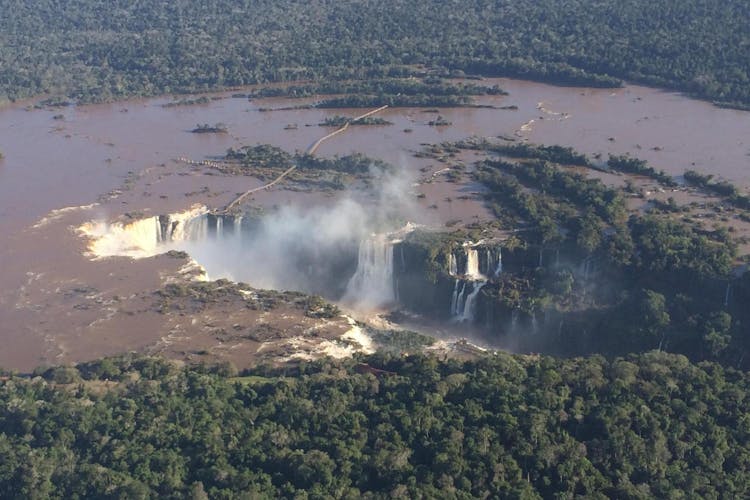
x=95 y=51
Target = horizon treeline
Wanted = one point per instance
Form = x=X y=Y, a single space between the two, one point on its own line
x=97 y=51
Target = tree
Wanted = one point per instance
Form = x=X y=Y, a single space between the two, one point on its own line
x=655 y=318
x=590 y=228
x=716 y=334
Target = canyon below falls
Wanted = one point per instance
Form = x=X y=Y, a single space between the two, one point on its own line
x=116 y=238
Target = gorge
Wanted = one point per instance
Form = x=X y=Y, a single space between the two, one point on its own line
x=461 y=270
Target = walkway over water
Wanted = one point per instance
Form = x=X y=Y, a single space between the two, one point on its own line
x=310 y=150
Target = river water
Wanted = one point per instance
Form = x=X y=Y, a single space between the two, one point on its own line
x=55 y=163
x=127 y=149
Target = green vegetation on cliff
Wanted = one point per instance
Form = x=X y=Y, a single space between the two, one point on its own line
x=595 y=268
x=642 y=262
x=648 y=426
x=94 y=50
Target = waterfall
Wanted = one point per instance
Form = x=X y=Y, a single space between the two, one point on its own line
x=141 y=235
x=541 y=257
x=194 y=229
x=470 y=305
x=727 y=295
x=452 y=266
x=372 y=283
x=472 y=263
x=454 y=299
x=219 y=227
x=534 y=324
x=459 y=304
x=585 y=268
x=163 y=228
x=237 y=226
x=499 y=266
x=144 y=237
x=514 y=320
x=463 y=300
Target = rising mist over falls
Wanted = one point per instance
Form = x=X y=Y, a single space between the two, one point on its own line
x=314 y=251
x=365 y=261
x=342 y=251
x=359 y=253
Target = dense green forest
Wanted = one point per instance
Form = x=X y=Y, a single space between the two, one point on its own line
x=431 y=86
x=95 y=50
x=503 y=426
x=419 y=89
x=592 y=268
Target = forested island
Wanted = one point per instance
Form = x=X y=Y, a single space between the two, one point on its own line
x=99 y=51
x=205 y=128
x=267 y=162
x=340 y=121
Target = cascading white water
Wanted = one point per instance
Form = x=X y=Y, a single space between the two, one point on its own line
x=237 y=227
x=461 y=304
x=727 y=294
x=189 y=229
x=472 y=263
x=219 y=227
x=499 y=266
x=460 y=301
x=289 y=250
x=145 y=237
x=463 y=300
x=470 y=306
x=372 y=283
x=455 y=297
x=465 y=291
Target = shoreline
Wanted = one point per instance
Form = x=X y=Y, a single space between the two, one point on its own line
x=34 y=100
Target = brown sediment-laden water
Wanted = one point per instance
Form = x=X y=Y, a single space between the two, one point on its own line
x=64 y=167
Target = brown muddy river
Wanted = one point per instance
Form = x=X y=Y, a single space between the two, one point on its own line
x=120 y=155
